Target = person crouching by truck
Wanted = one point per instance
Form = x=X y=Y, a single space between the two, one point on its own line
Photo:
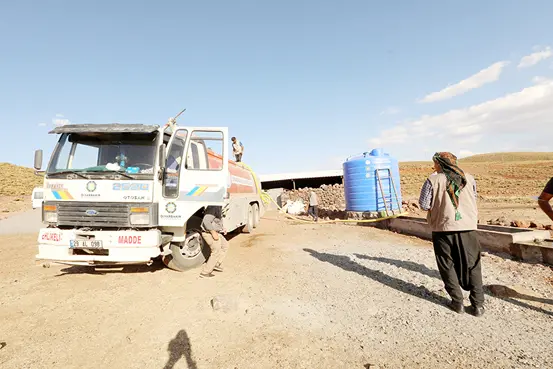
x=213 y=233
x=449 y=196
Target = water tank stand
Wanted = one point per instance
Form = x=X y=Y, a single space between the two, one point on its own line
x=382 y=191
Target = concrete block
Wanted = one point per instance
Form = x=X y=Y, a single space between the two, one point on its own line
x=515 y=241
x=547 y=255
x=527 y=253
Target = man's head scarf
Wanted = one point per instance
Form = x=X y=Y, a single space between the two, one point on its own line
x=456 y=179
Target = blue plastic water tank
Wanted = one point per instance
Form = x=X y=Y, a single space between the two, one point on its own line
x=363 y=193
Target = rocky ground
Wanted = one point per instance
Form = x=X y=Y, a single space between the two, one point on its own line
x=292 y=296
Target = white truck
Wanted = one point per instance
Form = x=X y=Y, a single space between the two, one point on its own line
x=119 y=194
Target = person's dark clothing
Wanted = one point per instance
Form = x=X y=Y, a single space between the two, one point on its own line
x=549 y=187
x=458 y=259
x=313 y=211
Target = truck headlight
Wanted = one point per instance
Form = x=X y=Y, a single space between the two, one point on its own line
x=140 y=216
x=50 y=213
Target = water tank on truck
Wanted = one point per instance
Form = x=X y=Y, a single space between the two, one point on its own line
x=241 y=187
x=372 y=182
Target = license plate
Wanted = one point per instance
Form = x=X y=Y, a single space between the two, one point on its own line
x=85 y=244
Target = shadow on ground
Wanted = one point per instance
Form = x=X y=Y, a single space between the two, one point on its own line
x=179 y=348
x=498 y=291
x=103 y=270
x=349 y=265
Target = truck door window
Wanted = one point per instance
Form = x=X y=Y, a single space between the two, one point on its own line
x=193 y=158
x=206 y=150
x=174 y=159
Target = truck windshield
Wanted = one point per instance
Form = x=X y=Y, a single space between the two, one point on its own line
x=89 y=153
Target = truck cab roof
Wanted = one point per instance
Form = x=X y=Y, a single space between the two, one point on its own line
x=106 y=128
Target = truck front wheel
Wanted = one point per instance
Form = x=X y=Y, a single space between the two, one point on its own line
x=191 y=253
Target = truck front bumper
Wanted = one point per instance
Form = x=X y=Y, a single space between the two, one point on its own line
x=76 y=247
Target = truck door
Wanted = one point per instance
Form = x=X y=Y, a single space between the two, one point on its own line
x=196 y=173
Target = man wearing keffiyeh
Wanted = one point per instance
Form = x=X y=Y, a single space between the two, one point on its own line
x=449 y=195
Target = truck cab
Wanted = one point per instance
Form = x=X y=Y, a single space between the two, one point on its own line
x=128 y=193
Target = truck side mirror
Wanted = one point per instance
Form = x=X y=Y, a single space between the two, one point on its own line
x=38 y=159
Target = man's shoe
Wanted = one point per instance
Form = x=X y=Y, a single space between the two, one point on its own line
x=477 y=311
x=218 y=269
x=206 y=275
x=457 y=307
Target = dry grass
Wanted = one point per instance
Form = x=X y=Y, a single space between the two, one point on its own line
x=503 y=157
x=513 y=180
x=17 y=181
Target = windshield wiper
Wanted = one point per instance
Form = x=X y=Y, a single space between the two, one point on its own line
x=68 y=172
x=118 y=172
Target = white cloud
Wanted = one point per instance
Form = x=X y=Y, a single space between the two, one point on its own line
x=397 y=135
x=465 y=153
x=487 y=75
x=539 y=80
x=520 y=119
x=535 y=58
x=59 y=120
x=392 y=110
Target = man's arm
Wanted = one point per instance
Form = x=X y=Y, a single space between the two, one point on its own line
x=545 y=197
x=207 y=224
x=425 y=198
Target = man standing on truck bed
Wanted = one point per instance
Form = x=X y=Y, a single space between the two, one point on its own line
x=212 y=232
x=237 y=149
x=449 y=196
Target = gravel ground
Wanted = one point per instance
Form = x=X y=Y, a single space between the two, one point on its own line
x=292 y=296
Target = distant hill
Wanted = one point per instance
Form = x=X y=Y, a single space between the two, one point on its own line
x=17 y=181
x=508 y=157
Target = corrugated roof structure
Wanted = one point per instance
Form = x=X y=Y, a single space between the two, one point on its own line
x=300 y=175
x=301 y=179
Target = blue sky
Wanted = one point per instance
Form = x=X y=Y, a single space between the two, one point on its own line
x=303 y=84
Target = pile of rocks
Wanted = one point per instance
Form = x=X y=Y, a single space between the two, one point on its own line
x=502 y=221
x=332 y=203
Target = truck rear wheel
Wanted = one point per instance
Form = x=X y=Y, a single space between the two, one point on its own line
x=191 y=253
x=255 y=215
x=248 y=228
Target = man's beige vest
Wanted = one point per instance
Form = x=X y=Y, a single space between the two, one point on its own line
x=441 y=216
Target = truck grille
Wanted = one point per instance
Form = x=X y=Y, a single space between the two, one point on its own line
x=113 y=215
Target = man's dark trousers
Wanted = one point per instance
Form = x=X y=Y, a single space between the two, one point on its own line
x=458 y=259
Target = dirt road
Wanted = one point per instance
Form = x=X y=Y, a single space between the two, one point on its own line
x=29 y=221
x=292 y=296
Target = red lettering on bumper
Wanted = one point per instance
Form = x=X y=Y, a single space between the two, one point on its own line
x=56 y=237
x=130 y=240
